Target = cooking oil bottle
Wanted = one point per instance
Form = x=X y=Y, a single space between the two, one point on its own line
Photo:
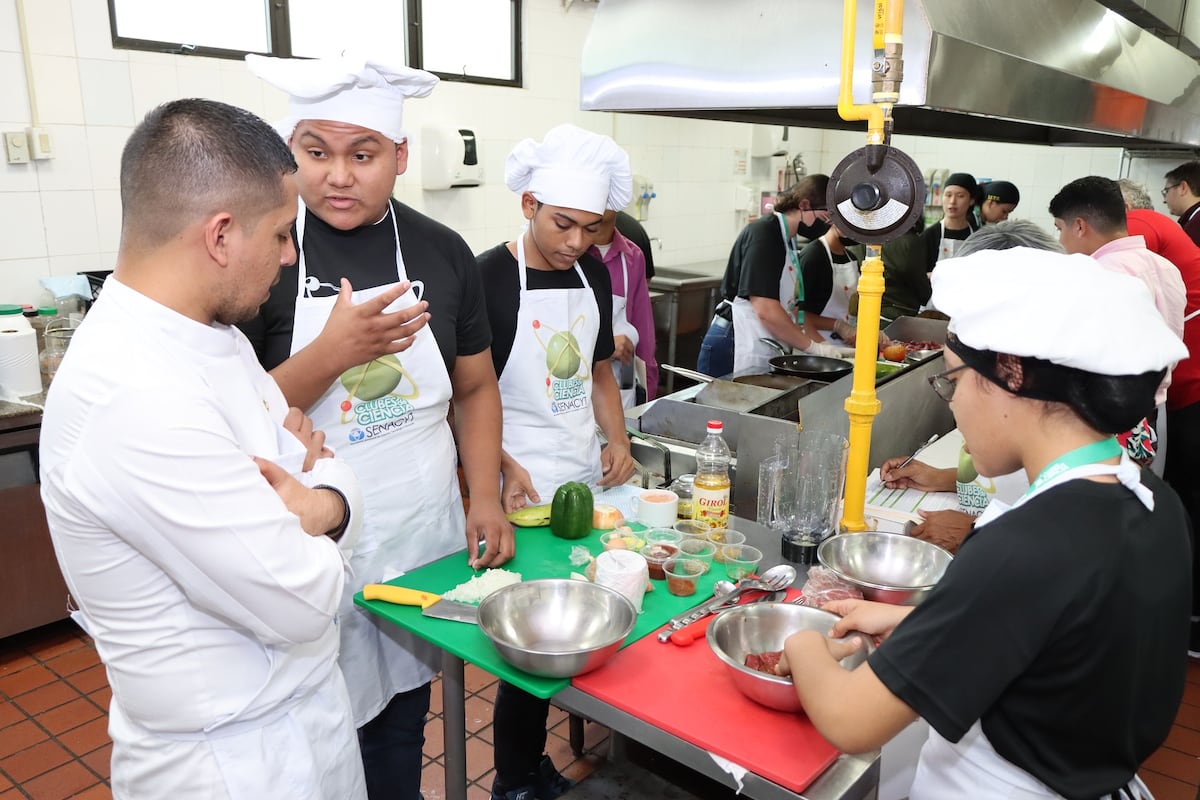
x=710 y=500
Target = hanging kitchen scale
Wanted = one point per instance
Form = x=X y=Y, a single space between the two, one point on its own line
x=875 y=194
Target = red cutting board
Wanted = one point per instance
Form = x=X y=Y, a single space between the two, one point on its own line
x=687 y=692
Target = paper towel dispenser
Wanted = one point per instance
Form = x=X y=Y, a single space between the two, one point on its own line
x=449 y=158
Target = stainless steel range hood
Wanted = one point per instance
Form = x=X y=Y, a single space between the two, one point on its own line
x=1032 y=71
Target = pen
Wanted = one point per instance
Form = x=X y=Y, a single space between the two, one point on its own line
x=917 y=452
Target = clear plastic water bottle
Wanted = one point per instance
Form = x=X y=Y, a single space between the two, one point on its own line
x=710 y=498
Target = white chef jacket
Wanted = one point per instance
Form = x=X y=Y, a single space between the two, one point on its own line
x=214 y=613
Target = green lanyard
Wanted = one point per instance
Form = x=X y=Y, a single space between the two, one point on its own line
x=1079 y=457
x=795 y=259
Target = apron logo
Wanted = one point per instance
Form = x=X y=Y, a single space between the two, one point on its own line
x=564 y=360
x=568 y=369
x=569 y=395
x=383 y=409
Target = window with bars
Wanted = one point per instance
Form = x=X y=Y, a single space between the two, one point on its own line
x=477 y=41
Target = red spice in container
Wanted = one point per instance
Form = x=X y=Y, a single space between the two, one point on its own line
x=682 y=574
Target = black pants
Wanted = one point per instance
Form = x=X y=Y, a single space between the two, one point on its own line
x=391 y=747
x=1182 y=472
x=519 y=726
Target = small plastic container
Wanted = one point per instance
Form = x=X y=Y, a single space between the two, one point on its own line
x=682 y=575
x=656 y=556
x=622 y=540
x=700 y=550
x=685 y=487
x=726 y=542
x=741 y=560
x=693 y=528
x=665 y=535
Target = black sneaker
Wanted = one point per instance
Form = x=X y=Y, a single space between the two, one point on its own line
x=550 y=783
x=1194 y=640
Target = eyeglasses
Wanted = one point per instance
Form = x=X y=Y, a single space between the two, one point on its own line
x=943 y=386
x=1167 y=189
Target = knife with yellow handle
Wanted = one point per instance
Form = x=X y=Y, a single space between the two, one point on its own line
x=432 y=605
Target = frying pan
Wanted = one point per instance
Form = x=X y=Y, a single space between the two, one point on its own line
x=785 y=382
x=816 y=367
x=726 y=394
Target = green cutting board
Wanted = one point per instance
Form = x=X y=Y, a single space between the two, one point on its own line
x=540 y=554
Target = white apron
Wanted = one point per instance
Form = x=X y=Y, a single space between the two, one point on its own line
x=549 y=423
x=748 y=351
x=626 y=374
x=948 y=247
x=972 y=767
x=845 y=284
x=389 y=423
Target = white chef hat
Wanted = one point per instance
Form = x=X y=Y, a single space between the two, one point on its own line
x=1065 y=309
x=572 y=168
x=359 y=91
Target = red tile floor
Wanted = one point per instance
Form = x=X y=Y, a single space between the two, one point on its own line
x=54 y=742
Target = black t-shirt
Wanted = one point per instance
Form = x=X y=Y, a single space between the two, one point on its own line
x=756 y=259
x=433 y=254
x=1061 y=626
x=502 y=288
x=933 y=240
x=817 y=272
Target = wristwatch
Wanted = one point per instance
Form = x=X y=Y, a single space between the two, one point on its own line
x=339 y=530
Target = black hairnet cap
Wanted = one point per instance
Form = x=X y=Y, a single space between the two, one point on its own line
x=965 y=180
x=1001 y=192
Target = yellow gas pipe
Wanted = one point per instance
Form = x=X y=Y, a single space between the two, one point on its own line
x=862 y=405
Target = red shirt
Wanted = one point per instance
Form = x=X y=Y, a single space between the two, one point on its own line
x=1164 y=236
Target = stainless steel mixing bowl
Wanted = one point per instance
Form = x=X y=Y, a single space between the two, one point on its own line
x=888 y=567
x=556 y=628
x=763 y=628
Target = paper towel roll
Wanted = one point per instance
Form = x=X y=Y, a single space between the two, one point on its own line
x=19 y=371
x=624 y=571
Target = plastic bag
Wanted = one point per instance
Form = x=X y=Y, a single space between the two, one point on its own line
x=824 y=586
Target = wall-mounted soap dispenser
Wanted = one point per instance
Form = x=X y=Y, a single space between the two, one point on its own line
x=449 y=158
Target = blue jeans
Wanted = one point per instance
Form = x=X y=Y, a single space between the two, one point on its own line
x=391 y=746
x=716 y=351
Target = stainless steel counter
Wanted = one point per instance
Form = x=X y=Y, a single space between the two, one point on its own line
x=691 y=292
x=910 y=412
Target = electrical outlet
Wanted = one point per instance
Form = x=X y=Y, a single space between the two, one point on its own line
x=16 y=148
x=41 y=146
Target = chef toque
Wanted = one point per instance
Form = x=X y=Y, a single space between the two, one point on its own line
x=996 y=300
x=572 y=168
x=369 y=93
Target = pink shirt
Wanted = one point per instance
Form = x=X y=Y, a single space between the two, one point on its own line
x=637 y=299
x=1130 y=256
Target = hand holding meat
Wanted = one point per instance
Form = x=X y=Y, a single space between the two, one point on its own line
x=865 y=616
x=838 y=648
x=358 y=333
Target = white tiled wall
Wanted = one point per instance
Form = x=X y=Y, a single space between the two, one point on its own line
x=63 y=215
